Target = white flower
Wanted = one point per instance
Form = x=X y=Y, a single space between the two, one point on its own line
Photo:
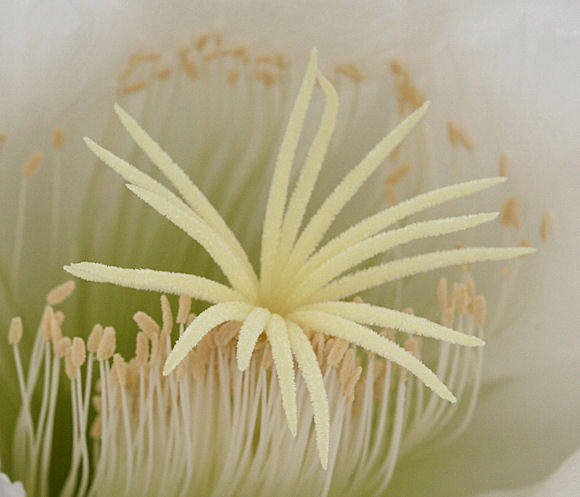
x=235 y=124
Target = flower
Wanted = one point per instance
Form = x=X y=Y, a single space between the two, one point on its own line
x=130 y=220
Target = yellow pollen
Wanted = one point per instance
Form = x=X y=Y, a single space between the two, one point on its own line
x=60 y=293
x=58 y=137
x=31 y=165
x=458 y=136
x=15 y=331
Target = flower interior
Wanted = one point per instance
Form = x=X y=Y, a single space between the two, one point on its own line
x=290 y=341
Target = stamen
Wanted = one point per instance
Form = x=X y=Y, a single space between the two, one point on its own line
x=545 y=226
x=60 y=293
x=458 y=136
x=510 y=213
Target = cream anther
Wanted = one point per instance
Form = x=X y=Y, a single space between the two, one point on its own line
x=146 y=324
x=351 y=71
x=108 y=344
x=190 y=68
x=47 y=320
x=15 y=331
x=55 y=331
x=183 y=309
x=58 y=137
x=78 y=352
x=142 y=349
x=61 y=346
x=545 y=226
x=167 y=315
x=120 y=369
x=134 y=87
x=503 y=165
x=458 y=136
x=95 y=338
x=31 y=165
x=60 y=293
x=337 y=351
x=70 y=369
x=398 y=173
x=479 y=311
x=510 y=213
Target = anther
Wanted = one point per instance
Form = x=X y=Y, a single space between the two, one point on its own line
x=190 y=68
x=510 y=213
x=167 y=316
x=58 y=137
x=351 y=382
x=337 y=351
x=164 y=72
x=351 y=71
x=96 y=428
x=183 y=309
x=31 y=165
x=120 y=369
x=458 y=136
x=59 y=317
x=15 y=331
x=232 y=76
x=47 y=320
x=95 y=338
x=462 y=301
x=442 y=293
x=146 y=324
x=144 y=56
x=347 y=365
x=2 y=138
x=108 y=344
x=201 y=41
x=391 y=195
x=134 y=87
x=226 y=333
x=266 y=362
x=398 y=173
x=448 y=316
x=61 y=347
x=142 y=349
x=265 y=77
x=55 y=331
x=70 y=369
x=545 y=226
x=78 y=352
x=479 y=311
x=60 y=293
x=503 y=165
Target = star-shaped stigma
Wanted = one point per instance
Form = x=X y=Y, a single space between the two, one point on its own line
x=300 y=284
